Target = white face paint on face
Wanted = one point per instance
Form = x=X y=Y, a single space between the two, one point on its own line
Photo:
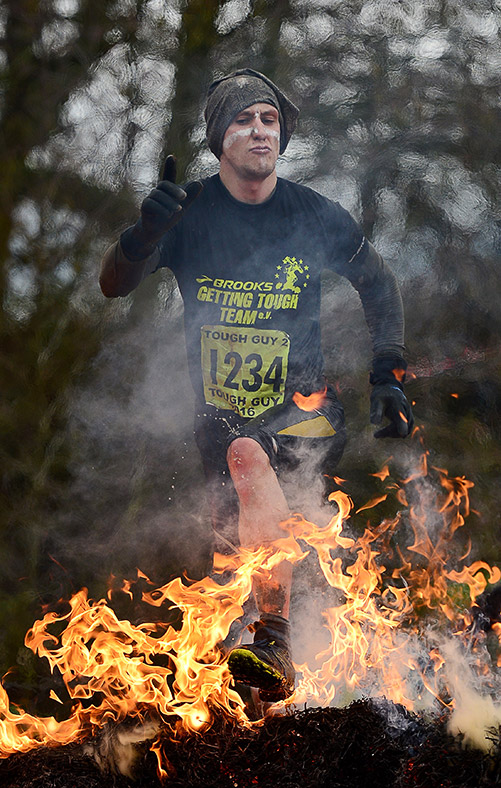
x=231 y=138
x=252 y=141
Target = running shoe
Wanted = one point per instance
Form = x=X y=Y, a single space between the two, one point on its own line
x=265 y=664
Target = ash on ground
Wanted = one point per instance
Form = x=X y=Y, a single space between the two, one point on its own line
x=369 y=744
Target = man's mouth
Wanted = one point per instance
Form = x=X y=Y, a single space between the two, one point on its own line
x=260 y=149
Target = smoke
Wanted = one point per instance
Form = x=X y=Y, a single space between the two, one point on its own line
x=429 y=667
x=117 y=748
x=136 y=497
x=476 y=716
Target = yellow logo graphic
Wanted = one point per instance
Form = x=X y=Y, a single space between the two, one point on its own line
x=291 y=268
x=244 y=302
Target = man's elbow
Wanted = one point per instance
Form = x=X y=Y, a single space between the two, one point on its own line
x=106 y=289
x=111 y=288
x=112 y=280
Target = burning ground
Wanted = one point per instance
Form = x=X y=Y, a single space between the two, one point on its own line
x=403 y=693
x=367 y=744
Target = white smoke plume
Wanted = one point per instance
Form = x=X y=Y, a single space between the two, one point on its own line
x=476 y=715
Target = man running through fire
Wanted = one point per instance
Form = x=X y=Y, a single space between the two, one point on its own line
x=247 y=249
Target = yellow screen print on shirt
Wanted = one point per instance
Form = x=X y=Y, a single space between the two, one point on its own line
x=244 y=369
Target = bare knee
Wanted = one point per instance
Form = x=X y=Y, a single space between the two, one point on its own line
x=247 y=461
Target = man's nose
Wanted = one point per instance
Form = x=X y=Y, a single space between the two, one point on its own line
x=258 y=128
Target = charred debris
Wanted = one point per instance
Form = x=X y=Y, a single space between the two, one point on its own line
x=368 y=744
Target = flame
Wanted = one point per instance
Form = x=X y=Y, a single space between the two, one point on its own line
x=399 y=374
x=373 y=630
x=383 y=473
x=108 y=665
x=352 y=625
x=373 y=502
x=311 y=402
x=113 y=669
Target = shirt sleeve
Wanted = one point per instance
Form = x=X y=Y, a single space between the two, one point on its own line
x=381 y=300
x=344 y=238
x=355 y=258
x=119 y=275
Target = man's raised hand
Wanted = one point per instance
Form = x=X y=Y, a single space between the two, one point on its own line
x=160 y=211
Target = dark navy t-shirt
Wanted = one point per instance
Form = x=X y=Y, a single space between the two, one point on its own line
x=249 y=276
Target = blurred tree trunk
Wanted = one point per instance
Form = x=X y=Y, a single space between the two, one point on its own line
x=198 y=36
x=274 y=59
x=47 y=335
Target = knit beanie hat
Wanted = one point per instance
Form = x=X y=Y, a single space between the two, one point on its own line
x=230 y=95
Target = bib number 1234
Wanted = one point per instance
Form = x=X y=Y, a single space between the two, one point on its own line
x=244 y=369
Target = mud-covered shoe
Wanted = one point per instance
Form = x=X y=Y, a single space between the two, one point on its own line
x=266 y=663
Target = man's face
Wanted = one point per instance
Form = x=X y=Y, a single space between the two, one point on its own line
x=251 y=142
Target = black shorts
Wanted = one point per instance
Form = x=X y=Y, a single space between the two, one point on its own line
x=302 y=446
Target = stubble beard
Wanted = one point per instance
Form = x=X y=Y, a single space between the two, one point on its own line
x=258 y=170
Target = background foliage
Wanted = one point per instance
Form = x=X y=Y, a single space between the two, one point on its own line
x=400 y=117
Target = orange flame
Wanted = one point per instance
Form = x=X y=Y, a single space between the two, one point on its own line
x=111 y=662
x=399 y=374
x=382 y=474
x=373 y=502
x=311 y=402
x=381 y=595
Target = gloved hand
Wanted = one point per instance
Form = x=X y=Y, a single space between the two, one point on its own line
x=160 y=211
x=388 y=398
x=390 y=401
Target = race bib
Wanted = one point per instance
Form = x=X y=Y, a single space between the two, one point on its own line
x=244 y=369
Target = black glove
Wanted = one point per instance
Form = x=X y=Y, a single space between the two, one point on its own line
x=160 y=211
x=388 y=398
